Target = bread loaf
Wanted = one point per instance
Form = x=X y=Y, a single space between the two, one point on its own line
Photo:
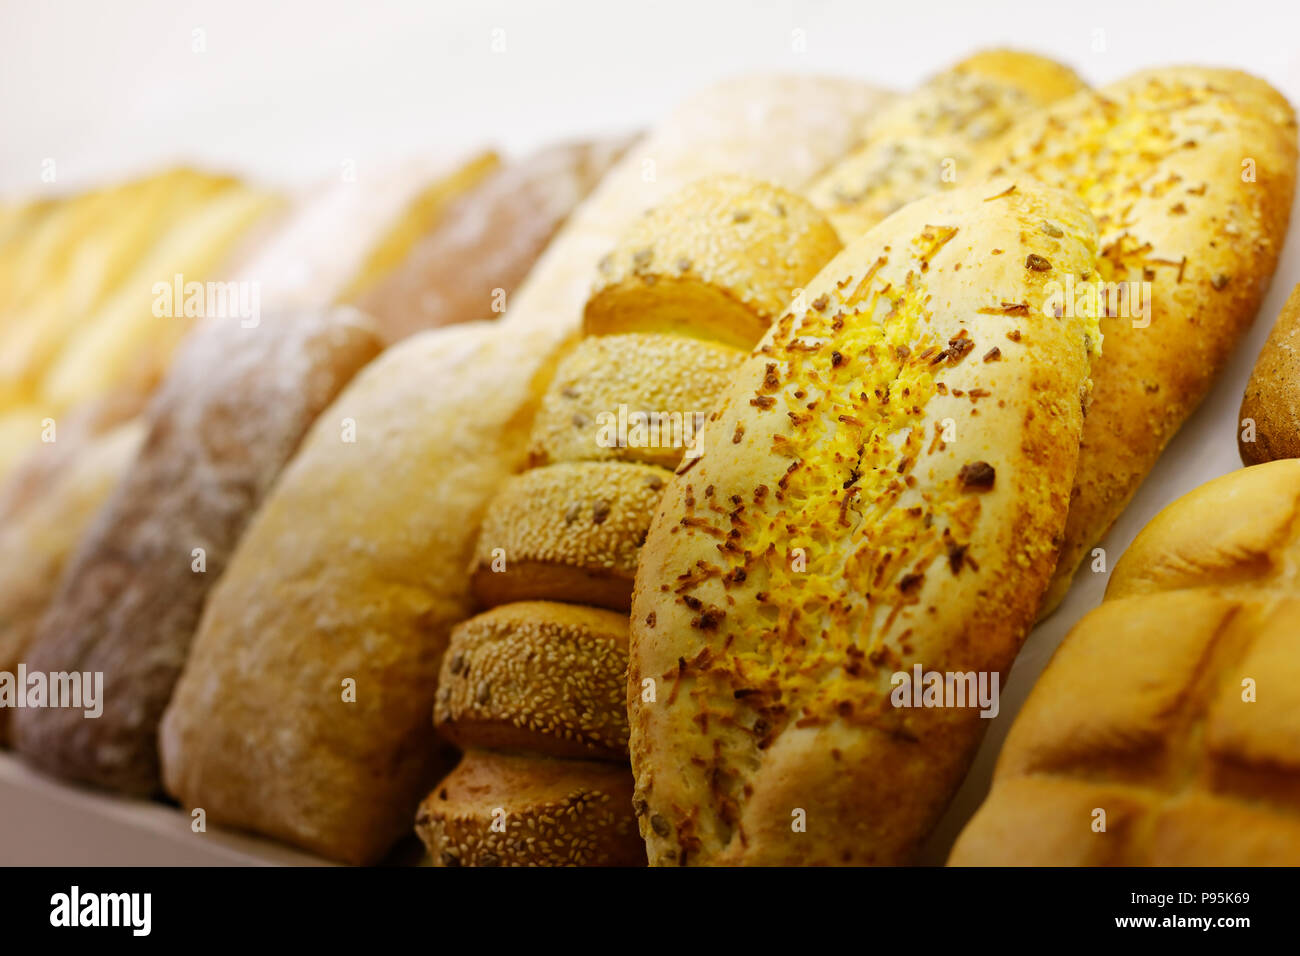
x=36 y=541
x=1190 y=173
x=930 y=139
x=376 y=546
x=568 y=532
x=1270 y=408
x=485 y=240
x=537 y=676
x=673 y=272
x=502 y=810
x=1163 y=731
x=230 y=414
x=882 y=487
x=637 y=398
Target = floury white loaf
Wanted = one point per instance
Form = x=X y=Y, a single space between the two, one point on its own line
x=883 y=486
x=356 y=567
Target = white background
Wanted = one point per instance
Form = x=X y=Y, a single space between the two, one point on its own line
x=286 y=92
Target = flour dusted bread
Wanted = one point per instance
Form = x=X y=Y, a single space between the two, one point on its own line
x=484 y=241
x=1171 y=708
x=38 y=538
x=1270 y=407
x=906 y=445
x=1190 y=173
x=230 y=414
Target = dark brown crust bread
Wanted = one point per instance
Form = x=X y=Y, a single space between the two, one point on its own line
x=1269 y=426
x=229 y=415
x=1164 y=731
x=906 y=447
x=503 y=810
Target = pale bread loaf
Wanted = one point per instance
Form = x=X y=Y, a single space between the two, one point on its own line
x=1164 y=731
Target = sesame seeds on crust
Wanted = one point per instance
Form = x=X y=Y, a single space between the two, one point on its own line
x=720 y=260
x=539 y=676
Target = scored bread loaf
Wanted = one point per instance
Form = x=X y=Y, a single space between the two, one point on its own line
x=1163 y=731
x=37 y=540
x=486 y=240
x=375 y=547
x=882 y=487
x=1270 y=407
x=1190 y=173
x=232 y=410
x=497 y=809
x=929 y=139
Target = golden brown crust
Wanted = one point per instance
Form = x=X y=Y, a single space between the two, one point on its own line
x=503 y=810
x=719 y=260
x=537 y=676
x=1171 y=707
x=906 y=450
x=928 y=140
x=570 y=531
x=1270 y=407
x=607 y=381
x=1165 y=160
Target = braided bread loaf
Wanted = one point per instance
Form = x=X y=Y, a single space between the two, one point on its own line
x=717 y=261
x=1166 y=729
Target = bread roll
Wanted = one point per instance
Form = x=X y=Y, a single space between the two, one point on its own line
x=1163 y=731
x=929 y=139
x=907 y=444
x=230 y=414
x=1190 y=173
x=567 y=532
x=658 y=387
x=375 y=547
x=500 y=810
x=485 y=241
x=537 y=676
x=35 y=543
x=1272 y=398
x=719 y=260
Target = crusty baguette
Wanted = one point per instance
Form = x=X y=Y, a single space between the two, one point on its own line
x=36 y=541
x=482 y=246
x=1190 y=173
x=1270 y=407
x=501 y=810
x=442 y=421
x=929 y=139
x=537 y=676
x=1172 y=708
x=232 y=411
x=906 y=447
